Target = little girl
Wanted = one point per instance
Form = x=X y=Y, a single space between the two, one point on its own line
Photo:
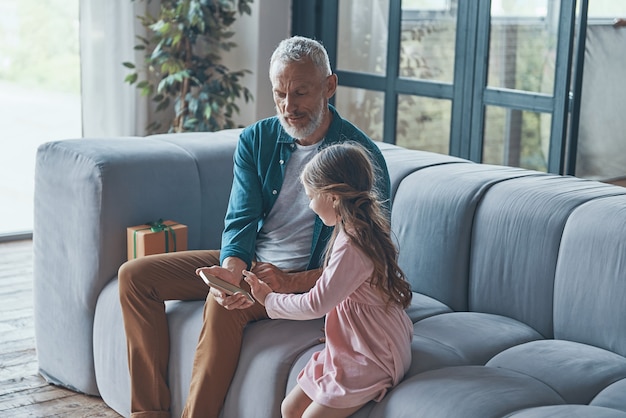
x=361 y=291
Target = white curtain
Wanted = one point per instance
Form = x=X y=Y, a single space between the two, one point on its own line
x=108 y=30
x=602 y=129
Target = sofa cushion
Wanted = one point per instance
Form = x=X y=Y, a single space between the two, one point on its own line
x=111 y=358
x=515 y=245
x=577 y=372
x=423 y=306
x=269 y=350
x=613 y=396
x=465 y=391
x=87 y=191
x=568 y=411
x=432 y=218
x=401 y=162
x=464 y=338
x=214 y=165
x=590 y=283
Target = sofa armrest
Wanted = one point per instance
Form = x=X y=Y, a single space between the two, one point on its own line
x=87 y=192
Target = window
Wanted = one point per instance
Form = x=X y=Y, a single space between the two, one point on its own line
x=39 y=96
x=491 y=81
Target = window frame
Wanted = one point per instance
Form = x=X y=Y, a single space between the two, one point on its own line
x=468 y=93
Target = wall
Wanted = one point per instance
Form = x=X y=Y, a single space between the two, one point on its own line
x=256 y=36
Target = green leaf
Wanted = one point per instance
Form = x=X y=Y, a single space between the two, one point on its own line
x=146 y=91
x=145 y=41
x=163 y=105
x=153 y=127
x=129 y=65
x=177 y=38
x=131 y=78
x=163 y=84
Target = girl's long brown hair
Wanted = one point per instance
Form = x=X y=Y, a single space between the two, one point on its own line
x=346 y=171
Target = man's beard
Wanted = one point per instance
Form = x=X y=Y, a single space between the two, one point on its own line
x=304 y=132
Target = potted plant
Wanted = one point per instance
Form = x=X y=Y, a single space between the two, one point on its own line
x=183 y=63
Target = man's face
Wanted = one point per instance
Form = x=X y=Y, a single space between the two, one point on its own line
x=301 y=96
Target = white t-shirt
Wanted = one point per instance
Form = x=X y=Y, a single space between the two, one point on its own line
x=282 y=240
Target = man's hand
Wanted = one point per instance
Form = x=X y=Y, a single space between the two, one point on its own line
x=281 y=282
x=275 y=278
x=230 y=302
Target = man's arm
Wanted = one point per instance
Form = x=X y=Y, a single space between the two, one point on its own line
x=245 y=205
x=236 y=266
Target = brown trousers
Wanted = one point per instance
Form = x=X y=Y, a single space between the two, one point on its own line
x=144 y=284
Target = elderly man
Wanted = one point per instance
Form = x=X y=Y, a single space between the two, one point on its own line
x=268 y=228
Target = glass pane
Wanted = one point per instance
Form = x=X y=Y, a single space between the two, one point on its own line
x=362 y=36
x=428 y=39
x=424 y=123
x=516 y=138
x=39 y=95
x=364 y=108
x=607 y=9
x=522 y=46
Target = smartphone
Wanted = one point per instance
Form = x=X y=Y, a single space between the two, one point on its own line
x=224 y=286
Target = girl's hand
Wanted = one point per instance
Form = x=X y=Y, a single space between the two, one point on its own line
x=260 y=289
x=275 y=278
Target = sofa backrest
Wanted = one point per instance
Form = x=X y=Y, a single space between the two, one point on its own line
x=590 y=284
x=515 y=245
x=489 y=238
x=432 y=218
x=214 y=167
x=87 y=192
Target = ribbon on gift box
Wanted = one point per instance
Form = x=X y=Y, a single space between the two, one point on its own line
x=157 y=226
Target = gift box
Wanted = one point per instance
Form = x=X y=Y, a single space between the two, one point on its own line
x=156 y=238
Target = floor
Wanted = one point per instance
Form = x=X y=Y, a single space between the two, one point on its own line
x=23 y=392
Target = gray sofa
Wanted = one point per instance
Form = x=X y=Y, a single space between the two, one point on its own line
x=519 y=280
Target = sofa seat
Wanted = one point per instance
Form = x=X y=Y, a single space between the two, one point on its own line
x=577 y=372
x=464 y=338
x=568 y=411
x=262 y=361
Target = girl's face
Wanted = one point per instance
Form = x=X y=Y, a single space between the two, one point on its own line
x=322 y=205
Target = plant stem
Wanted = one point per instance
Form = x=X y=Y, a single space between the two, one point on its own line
x=185 y=89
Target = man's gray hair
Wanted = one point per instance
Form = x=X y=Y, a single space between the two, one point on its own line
x=297 y=49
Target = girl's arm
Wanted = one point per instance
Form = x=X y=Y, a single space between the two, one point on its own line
x=347 y=270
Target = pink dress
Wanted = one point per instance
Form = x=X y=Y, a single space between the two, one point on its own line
x=368 y=346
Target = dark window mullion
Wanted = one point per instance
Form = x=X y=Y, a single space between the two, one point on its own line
x=480 y=81
x=301 y=22
x=424 y=88
x=515 y=99
x=564 y=52
x=329 y=27
x=464 y=61
x=359 y=80
x=572 y=148
x=393 y=60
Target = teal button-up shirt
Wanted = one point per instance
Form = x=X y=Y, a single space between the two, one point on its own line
x=259 y=169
